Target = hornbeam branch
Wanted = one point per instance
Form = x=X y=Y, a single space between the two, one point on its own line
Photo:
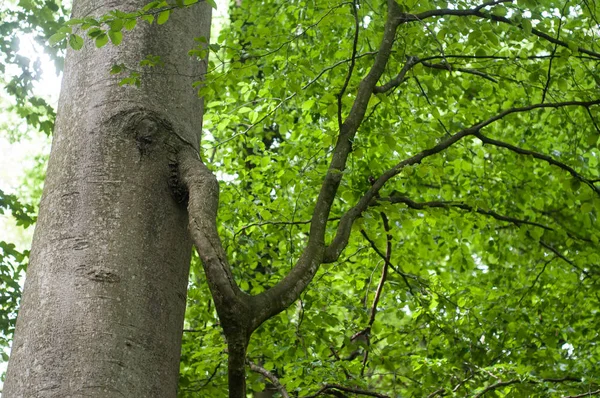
x=476 y=12
x=271 y=377
x=280 y=296
x=536 y=155
x=463 y=206
x=358 y=391
x=340 y=240
x=203 y=190
x=450 y=68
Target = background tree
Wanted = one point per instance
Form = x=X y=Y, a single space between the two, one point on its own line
x=433 y=166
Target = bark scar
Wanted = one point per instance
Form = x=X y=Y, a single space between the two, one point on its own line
x=97 y=274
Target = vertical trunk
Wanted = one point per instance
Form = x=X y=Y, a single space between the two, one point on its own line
x=104 y=300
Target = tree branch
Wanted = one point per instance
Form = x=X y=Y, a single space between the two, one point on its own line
x=383 y=257
x=203 y=190
x=352 y=63
x=476 y=12
x=340 y=240
x=585 y=394
x=280 y=296
x=271 y=377
x=400 y=77
x=495 y=386
x=463 y=206
x=536 y=155
x=564 y=258
x=450 y=68
x=358 y=391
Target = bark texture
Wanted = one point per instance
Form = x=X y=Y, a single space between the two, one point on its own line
x=104 y=300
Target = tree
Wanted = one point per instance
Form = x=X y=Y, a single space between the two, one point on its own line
x=376 y=150
x=104 y=300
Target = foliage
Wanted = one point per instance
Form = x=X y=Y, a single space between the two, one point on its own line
x=472 y=269
x=493 y=249
x=35 y=18
x=12 y=268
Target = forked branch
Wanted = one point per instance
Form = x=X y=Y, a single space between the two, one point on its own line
x=340 y=240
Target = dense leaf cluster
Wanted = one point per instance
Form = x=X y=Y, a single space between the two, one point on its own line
x=491 y=246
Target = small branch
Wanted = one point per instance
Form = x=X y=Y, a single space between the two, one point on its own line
x=476 y=12
x=564 y=258
x=400 y=77
x=463 y=206
x=274 y=222
x=495 y=386
x=549 y=74
x=358 y=391
x=450 y=68
x=383 y=256
x=536 y=155
x=336 y=65
x=271 y=377
x=388 y=256
x=439 y=392
x=586 y=394
x=491 y=4
x=536 y=279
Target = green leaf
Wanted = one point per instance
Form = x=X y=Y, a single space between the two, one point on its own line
x=151 y=5
x=115 y=37
x=212 y=3
x=56 y=38
x=130 y=23
x=526 y=25
x=101 y=40
x=148 y=18
x=116 y=25
x=573 y=46
x=563 y=85
x=116 y=69
x=163 y=17
x=306 y=105
x=76 y=42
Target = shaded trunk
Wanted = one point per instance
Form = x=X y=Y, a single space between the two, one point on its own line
x=104 y=300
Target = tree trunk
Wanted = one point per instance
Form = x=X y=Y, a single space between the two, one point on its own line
x=104 y=301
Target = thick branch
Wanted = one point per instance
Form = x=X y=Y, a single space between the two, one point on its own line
x=340 y=240
x=271 y=377
x=288 y=290
x=536 y=155
x=231 y=303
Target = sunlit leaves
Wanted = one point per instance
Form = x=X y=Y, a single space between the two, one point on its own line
x=481 y=287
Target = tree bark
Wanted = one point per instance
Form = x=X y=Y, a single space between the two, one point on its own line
x=104 y=300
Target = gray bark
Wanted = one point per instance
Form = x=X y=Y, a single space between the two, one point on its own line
x=104 y=300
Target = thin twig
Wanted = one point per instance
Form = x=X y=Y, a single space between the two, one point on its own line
x=537 y=155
